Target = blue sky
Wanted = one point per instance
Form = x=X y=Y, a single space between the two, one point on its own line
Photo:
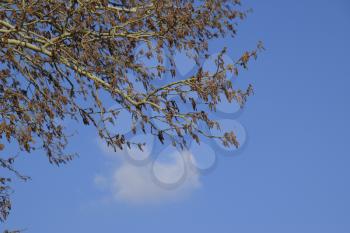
x=291 y=176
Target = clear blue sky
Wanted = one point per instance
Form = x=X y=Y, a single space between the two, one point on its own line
x=292 y=176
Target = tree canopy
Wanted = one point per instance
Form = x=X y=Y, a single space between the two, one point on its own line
x=74 y=59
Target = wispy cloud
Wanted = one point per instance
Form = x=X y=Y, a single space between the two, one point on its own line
x=168 y=178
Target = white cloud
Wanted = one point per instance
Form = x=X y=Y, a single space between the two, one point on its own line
x=168 y=178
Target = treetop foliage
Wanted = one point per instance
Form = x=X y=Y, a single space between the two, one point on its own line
x=58 y=58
